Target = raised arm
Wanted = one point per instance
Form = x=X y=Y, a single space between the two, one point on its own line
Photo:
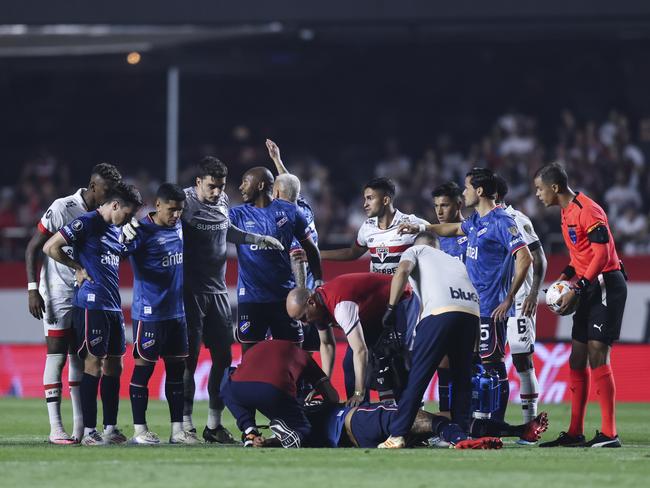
x=274 y=153
x=444 y=230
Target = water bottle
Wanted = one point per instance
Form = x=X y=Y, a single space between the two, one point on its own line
x=485 y=394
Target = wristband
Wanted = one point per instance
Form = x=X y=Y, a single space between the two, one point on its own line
x=580 y=285
x=359 y=393
x=422 y=228
x=32 y=285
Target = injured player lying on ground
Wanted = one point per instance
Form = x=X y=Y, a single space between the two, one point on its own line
x=366 y=426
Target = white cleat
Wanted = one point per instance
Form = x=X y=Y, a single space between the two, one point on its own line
x=61 y=438
x=145 y=438
x=437 y=442
x=184 y=437
x=393 y=443
x=93 y=439
x=115 y=436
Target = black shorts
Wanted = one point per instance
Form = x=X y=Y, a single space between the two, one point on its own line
x=599 y=315
x=99 y=332
x=209 y=319
x=160 y=338
x=492 y=338
x=255 y=320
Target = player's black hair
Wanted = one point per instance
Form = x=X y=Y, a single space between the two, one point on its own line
x=385 y=185
x=125 y=194
x=483 y=178
x=170 y=192
x=450 y=189
x=430 y=237
x=502 y=187
x=211 y=166
x=553 y=174
x=107 y=172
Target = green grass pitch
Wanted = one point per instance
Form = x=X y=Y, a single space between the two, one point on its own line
x=27 y=460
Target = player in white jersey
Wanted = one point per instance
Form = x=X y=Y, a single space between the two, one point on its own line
x=448 y=327
x=51 y=298
x=379 y=234
x=521 y=327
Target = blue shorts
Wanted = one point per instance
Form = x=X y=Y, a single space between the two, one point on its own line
x=370 y=424
x=493 y=337
x=255 y=320
x=160 y=338
x=99 y=332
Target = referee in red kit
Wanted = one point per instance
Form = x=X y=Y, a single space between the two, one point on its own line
x=599 y=293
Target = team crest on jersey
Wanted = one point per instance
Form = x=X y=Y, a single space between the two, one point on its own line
x=96 y=341
x=244 y=325
x=528 y=228
x=513 y=230
x=382 y=252
x=572 y=235
x=77 y=225
x=48 y=214
x=148 y=344
x=462 y=240
x=282 y=221
x=71 y=204
x=481 y=232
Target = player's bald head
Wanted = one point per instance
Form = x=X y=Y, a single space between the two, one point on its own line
x=260 y=174
x=297 y=302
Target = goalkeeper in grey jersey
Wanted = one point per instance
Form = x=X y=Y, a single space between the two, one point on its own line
x=206 y=229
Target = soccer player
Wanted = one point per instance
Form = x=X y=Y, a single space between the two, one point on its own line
x=97 y=313
x=51 y=298
x=450 y=321
x=355 y=303
x=265 y=275
x=206 y=229
x=266 y=380
x=447 y=203
x=159 y=327
x=379 y=234
x=521 y=327
x=495 y=252
x=602 y=292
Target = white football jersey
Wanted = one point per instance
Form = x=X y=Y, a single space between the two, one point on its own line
x=527 y=231
x=56 y=279
x=441 y=282
x=386 y=246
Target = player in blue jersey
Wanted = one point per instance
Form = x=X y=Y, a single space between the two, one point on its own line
x=159 y=327
x=265 y=276
x=497 y=261
x=447 y=203
x=97 y=313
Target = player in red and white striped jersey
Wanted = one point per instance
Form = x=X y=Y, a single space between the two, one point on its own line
x=379 y=234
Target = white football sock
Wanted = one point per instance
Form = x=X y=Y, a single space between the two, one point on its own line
x=108 y=429
x=140 y=428
x=187 y=422
x=75 y=373
x=177 y=427
x=214 y=418
x=529 y=393
x=52 y=384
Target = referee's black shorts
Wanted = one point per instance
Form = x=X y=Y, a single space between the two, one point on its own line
x=599 y=315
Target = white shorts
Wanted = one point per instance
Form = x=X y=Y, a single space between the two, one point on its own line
x=54 y=321
x=521 y=332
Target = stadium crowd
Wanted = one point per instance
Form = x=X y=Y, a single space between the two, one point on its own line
x=605 y=158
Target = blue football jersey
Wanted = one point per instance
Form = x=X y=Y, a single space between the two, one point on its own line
x=327 y=424
x=492 y=241
x=308 y=213
x=265 y=275
x=156 y=256
x=454 y=246
x=98 y=250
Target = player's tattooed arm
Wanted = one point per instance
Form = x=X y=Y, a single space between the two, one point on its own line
x=274 y=154
x=34 y=248
x=299 y=267
x=54 y=249
x=313 y=257
x=522 y=262
x=539 y=272
x=450 y=229
x=355 y=251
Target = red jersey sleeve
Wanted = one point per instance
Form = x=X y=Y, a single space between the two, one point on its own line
x=591 y=217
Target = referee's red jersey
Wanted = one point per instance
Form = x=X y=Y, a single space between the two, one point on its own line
x=581 y=217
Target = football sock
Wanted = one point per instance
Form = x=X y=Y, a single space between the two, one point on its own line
x=188 y=396
x=504 y=388
x=174 y=389
x=177 y=427
x=606 y=393
x=444 y=379
x=214 y=382
x=579 y=387
x=528 y=393
x=52 y=385
x=139 y=392
x=139 y=428
x=88 y=389
x=75 y=373
x=214 y=418
x=110 y=393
